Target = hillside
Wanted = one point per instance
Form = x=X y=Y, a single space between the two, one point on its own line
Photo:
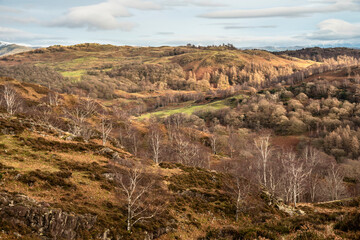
x=104 y=70
x=10 y=49
x=275 y=158
x=319 y=54
x=58 y=186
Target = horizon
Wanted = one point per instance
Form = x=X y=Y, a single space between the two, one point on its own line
x=259 y=24
x=262 y=48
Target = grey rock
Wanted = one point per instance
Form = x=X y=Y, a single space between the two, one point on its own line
x=20 y=210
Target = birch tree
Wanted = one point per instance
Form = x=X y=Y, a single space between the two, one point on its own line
x=10 y=99
x=262 y=145
x=241 y=190
x=105 y=127
x=136 y=193
x=155 y=136
x=79 y=114
x=296 y=174
x=334 y=180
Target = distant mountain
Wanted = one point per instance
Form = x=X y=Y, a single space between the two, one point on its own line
x=275 y=49
x=296 y=48
x=9 y=49
x=318 y=54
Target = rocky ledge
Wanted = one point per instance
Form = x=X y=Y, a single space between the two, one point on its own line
x=23 y=212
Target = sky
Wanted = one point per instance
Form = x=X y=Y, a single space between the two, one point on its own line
x=243 y=23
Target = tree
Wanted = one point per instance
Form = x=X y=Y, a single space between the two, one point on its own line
x=136 y=193
x=155 y=136
x=241 y=190
x=54 y=98
x=11 y=99
x=296 y=174
x=106 y=127
x=190 y=153
x=213 y=142
x=262 y=144
x=187 y=151
x=312 y=160
x=334 y=180
x=79 y=113
x=133 y=139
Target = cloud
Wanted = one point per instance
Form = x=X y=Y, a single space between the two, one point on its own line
x=336 y=29
x=103 y=16
x=9 y=9
x=297 y=11
x=12 y=34
x=199 y=3
x=239 y=41
x=249 y=27
x=165 y=33
x=25 y=20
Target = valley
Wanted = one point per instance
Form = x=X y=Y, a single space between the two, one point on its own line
x=188 y=142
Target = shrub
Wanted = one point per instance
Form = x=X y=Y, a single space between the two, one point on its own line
x=350 y=223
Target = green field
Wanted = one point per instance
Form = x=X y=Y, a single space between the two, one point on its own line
x=74 y=75
x=192 y=108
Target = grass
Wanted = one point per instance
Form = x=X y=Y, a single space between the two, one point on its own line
x=190 y=109
x=74 y=75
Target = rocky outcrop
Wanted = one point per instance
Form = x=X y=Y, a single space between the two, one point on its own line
x=22 y=211
x=271 y=200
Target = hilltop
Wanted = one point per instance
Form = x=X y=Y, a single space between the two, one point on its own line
x=85 y=67
x=9 y=49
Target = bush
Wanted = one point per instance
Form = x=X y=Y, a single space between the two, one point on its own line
x=57 y=179
x=308 y=235
x=350 y=223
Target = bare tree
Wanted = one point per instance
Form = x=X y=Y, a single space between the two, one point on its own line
x=138 y=208
x=274 y=173
x=296 y=174
x=334 y=181
x=213 y=141
x=54 y=98
x=262 y=144
x=313 y=185
x=133 y=139
x=155 y=136
x=106 y=127
x=312 y=160
x=241 y=190
x=79 y=114
x=232 y=141
x=187 y=151
x=190 y=153
x=11 y=99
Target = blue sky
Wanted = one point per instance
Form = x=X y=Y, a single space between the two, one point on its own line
x=255 y=23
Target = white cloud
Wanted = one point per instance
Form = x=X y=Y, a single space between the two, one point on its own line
x=242 y=41
x=9 y=9
x=103 y=16
x=297 y=11
x=199 y=3
x=231 y=27
x=22 y=20
x=335 y=29
x=165 y=33
x=12 y=34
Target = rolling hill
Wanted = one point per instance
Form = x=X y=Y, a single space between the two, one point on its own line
x=133 y=69
x=9 y=49
x=107 y=142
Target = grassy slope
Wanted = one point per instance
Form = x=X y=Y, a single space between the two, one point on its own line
x=74 y=61
x=198 y=202
x=189 y=108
